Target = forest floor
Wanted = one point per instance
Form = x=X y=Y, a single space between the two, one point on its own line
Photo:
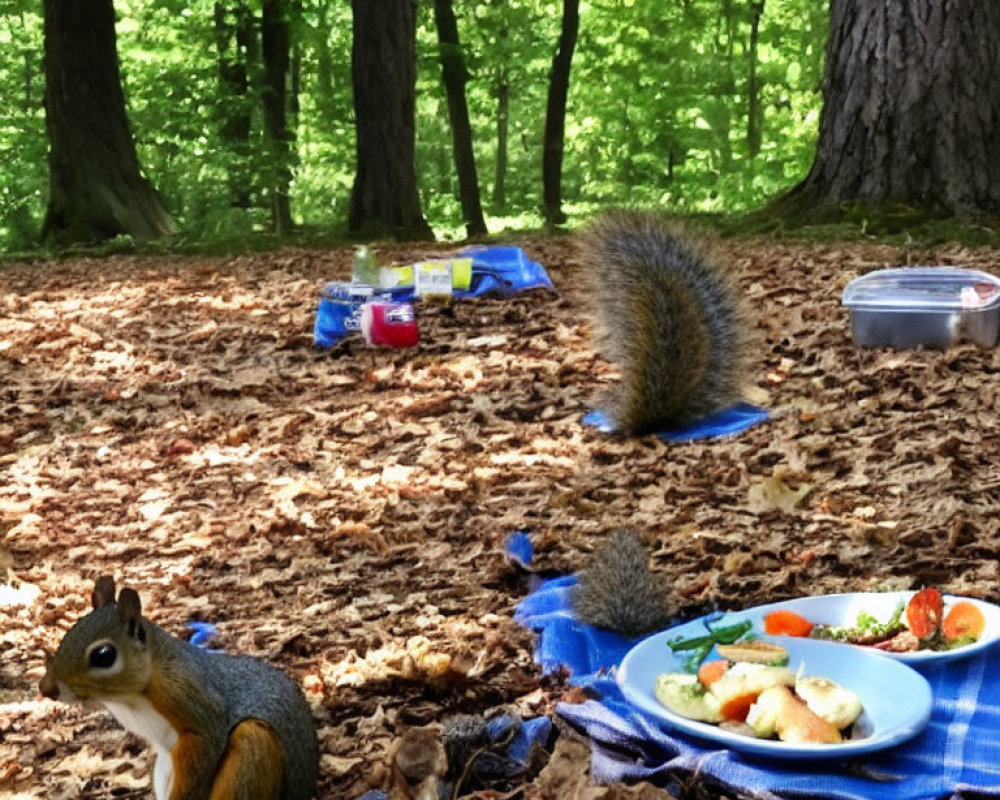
x=343 y=513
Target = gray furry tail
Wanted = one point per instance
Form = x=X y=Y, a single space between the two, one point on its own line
x=618 y=592
x=668 y=316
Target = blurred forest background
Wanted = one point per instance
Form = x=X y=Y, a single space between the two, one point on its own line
x=694 y=106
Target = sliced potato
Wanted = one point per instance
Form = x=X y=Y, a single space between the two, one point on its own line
x=778 y=711
x=756 y=652
x=837 y=705
x=744 y=678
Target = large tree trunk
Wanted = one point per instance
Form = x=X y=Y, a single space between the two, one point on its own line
x=384 y=199
x=911 y=109
x=555 y=115
x=276 y=47
x=455 y=76
x=96 y=188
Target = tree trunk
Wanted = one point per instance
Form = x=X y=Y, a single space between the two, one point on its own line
x=96 y=188
x=911 y=109
x=454 y=75
x=275 y=47
x=384 y=199
x=754 y=115
x=503 y=130
x=234 y=42
x=555 y=115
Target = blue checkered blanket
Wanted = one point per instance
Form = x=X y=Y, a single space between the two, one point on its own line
x=958 y=754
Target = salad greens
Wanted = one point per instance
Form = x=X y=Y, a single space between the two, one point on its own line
x=865 y=629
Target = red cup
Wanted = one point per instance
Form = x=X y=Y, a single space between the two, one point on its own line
x=389 y=324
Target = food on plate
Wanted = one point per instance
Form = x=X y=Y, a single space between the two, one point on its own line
x=920 y=624
x=754 y=651
x=964 y=623
x=761 y=700
x=710 y=671
x=786 y=623
x=698 y=647
x=837 y=705
x=686 y=696
x=924 y=613
x=865 y=630
x=902 y=642
x=742 y=683
x=780 y=713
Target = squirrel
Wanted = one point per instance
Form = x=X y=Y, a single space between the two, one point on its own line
x=668 y=316
x=617 y=591
x=223 y=726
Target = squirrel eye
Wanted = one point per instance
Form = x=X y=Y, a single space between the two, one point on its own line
x=104 y=656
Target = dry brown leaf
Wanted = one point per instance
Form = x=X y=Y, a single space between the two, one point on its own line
x=773 y=494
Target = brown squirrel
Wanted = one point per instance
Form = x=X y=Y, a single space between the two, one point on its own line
x=224 y=727
x=668 y=316
x=618 y=591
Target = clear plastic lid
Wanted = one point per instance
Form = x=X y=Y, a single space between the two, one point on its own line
x=923 y=289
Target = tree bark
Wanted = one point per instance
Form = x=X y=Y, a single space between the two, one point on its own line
x=96 y=187
x=384 y=199
x=555 y=115
x=911 y=109
x=276 y=47
x=454 y=75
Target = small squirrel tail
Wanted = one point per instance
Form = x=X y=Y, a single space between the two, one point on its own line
x=618 y=592
x=668 y=317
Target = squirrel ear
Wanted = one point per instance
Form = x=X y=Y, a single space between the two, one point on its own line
x=129 y=606
x=104 y=591
x=130 y=613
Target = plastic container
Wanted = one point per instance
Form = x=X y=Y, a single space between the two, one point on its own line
x=432 y=280
x=930 y=307
x=385 y=323
x=364 y=270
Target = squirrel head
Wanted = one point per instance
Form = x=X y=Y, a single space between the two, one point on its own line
x=106 y=653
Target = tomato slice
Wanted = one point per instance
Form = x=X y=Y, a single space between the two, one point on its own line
x=924 y=612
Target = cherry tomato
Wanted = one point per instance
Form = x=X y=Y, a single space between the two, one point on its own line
x=924 y=612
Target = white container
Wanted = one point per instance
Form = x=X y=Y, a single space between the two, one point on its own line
x=931 y=307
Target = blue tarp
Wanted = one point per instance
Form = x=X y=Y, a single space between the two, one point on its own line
x=727 y=422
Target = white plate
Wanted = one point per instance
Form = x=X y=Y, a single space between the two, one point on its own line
x=842 y=609
x=896 y=699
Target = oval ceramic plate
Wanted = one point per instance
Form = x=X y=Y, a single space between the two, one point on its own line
x=896 y=699
x=843 y=609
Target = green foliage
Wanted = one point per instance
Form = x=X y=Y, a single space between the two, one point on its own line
x=658 y=112
x=23 y=172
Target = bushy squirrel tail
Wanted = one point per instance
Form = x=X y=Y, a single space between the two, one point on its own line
x=618 y=591
x=668 y=316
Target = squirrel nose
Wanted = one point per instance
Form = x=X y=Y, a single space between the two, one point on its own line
x=49 y=688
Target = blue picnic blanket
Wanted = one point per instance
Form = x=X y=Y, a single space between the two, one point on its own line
x=958 y=753
x=727 y=422
x=497 y=271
